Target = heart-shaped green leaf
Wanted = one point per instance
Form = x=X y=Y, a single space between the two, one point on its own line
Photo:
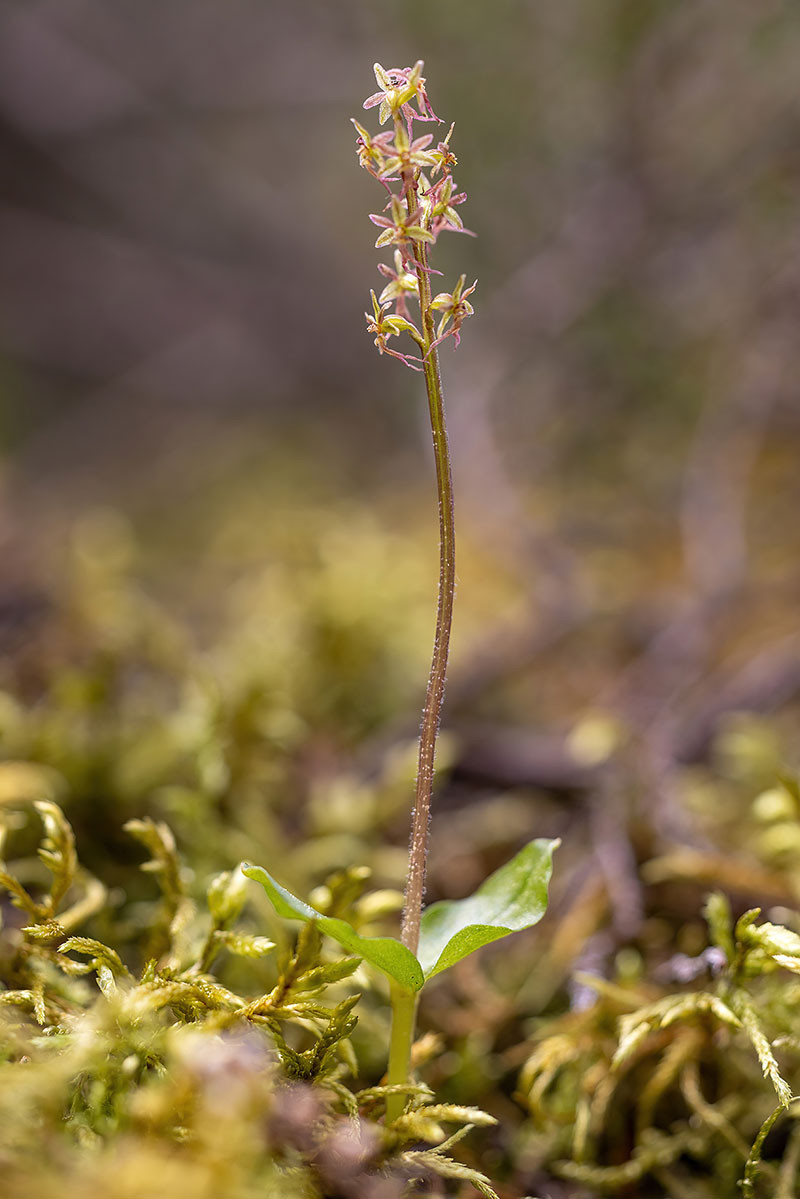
x=513 y=898
x=389 y=955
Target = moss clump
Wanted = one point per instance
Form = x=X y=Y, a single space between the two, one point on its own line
x=652 y=1086
x=159 y=1078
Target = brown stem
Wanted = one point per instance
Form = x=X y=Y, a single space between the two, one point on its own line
x=431 y=715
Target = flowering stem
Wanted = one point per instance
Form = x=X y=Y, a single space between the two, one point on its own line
x=418 y=213
x=431 y=715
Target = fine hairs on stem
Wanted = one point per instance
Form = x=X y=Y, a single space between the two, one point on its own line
x=431 y=716
x=418 y=208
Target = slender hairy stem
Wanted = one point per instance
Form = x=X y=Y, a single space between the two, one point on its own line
x=431 y=715
x=404 y=1006
x=417 y=216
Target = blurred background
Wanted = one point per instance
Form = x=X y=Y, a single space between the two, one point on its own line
x=185 y=254
x=217 y=510
x=188 y=398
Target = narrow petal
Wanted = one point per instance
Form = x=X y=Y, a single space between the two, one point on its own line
x=381 y=78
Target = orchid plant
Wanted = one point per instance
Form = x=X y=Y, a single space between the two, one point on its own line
x=421 y=202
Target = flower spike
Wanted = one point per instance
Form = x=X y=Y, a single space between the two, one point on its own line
x=422 y=203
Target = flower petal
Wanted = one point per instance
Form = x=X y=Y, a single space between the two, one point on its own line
x=381 y=78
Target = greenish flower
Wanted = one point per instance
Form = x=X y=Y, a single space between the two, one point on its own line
x=385 y=326
x=455 y=308
x=398 y=229
x=400 y=87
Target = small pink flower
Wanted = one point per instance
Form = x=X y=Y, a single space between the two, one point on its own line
x=407 y=156
x=400 y=86
x=441 y=202
x=455 y=307
x=445 y=158
x=398 y=230
x=385 y=326
x=373 y=151
x=402 y=283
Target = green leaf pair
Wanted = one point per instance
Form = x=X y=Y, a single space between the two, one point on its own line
x=513 y=898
